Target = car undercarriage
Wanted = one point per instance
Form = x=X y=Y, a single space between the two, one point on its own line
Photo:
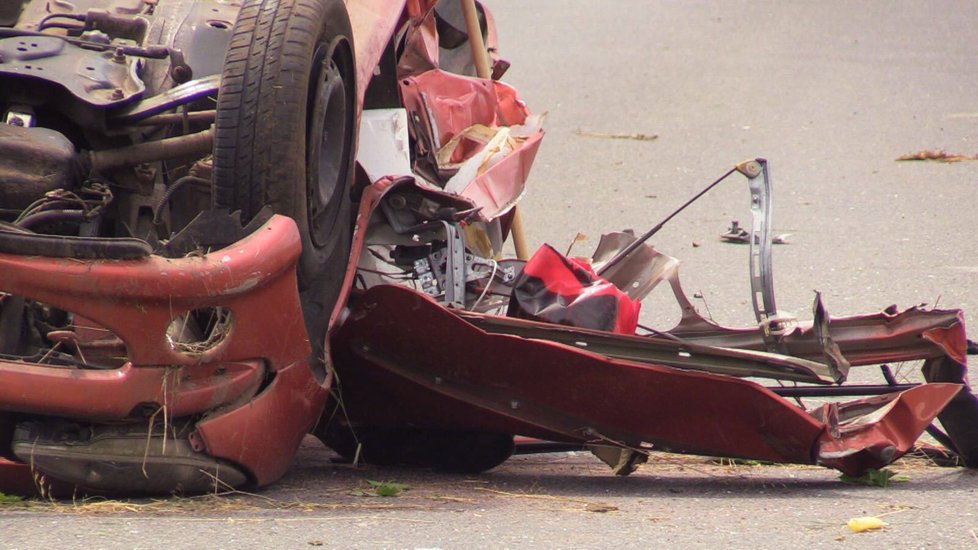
x=226 y=225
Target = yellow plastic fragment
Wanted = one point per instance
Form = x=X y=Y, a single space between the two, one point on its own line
x=866 y=523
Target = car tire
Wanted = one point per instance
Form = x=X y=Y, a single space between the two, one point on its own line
x=456 y=451
x=285 y=135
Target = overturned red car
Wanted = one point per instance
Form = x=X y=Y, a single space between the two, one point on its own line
x=226 y=225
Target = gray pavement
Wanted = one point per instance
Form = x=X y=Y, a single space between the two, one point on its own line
x=831 y=93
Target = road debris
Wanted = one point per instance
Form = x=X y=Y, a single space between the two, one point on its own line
x=866 y=523
x=938 y=155
x=603 y=135
x=737 y=234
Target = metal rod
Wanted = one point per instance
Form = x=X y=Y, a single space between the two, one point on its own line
x=152 y=151
x=177 y=118
x=638 y=242
x=839 y=391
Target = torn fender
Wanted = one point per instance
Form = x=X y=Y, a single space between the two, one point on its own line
x=873 y=432
x=405 y=360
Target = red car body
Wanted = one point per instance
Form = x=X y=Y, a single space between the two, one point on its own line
x=403 y=363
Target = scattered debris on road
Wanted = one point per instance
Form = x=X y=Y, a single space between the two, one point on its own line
x=866 y=523
x=937 y=155
x=737 y=234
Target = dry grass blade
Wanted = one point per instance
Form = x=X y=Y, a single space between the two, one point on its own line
x=586 y=503
x=937 y=155
x=446 y=498
x=602 y=135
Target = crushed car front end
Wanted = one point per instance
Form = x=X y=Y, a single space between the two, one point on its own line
x=152 y=342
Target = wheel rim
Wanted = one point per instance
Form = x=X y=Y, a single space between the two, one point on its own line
x=328 y=150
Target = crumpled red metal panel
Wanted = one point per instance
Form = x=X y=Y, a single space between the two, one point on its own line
x=952 y=339
x=499 y=188
x=873 y=432
x=515 y=383
x=373 y=22
x=560 y=290
x=448 y=104
x=406 y=360
x=420 y=52
x=454 y=102
x=443 y=105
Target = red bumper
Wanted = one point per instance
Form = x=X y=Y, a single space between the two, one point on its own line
x=253 y=391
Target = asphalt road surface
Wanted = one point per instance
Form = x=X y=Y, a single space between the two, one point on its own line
x=830 y=93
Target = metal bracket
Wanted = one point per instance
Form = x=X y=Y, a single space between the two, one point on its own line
x=446 y=271
x=761 y=274
x=454 y=265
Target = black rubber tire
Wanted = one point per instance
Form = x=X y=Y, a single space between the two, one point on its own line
x=454 y=451
x=271 y=135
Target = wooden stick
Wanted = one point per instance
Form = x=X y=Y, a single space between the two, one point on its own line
x=481 y=59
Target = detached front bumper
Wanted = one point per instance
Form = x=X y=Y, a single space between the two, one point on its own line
x=242 y=395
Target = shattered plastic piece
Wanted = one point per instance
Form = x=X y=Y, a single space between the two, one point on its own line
x=866 y=523
x=737 y=234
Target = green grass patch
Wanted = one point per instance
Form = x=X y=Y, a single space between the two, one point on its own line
x=6 y=499
x=874 y=478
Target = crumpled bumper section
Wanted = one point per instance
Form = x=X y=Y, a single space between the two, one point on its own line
x=237 y=408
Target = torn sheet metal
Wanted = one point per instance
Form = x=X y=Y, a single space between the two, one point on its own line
x=474 y=137
x=402 y=348
x=873 y=432
x=562 y=291
x=373 y=22
x=640 y=272
x=386 y=386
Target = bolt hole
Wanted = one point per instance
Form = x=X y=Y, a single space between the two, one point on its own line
x=215 y=24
